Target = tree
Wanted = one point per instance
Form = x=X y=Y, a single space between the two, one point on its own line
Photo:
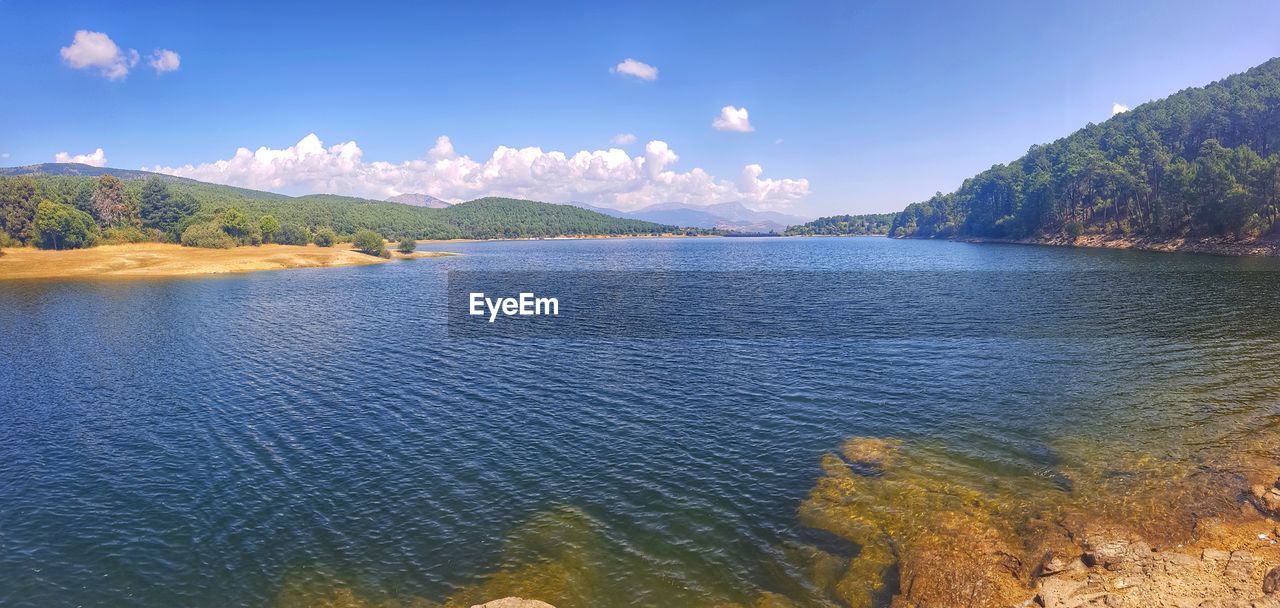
x=407 y=245
x=59 y=226
x=160 y=209
x=18 y=207
x=238 y=226
x=368 y=241
x=269 y=226
x=325 y=237
x=110 y=205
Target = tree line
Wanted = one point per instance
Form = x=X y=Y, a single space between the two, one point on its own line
x=845 y=225
x=1204 y=161
x=71 y=211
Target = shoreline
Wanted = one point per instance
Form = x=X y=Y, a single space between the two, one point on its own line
x=1220 y=246
x=167 y=260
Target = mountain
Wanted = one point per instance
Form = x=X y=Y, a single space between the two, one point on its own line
x=731 y=217
x=73 y=184
x=1201 y=162
x=419 y=200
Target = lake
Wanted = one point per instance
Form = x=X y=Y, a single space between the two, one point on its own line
x=279 y=438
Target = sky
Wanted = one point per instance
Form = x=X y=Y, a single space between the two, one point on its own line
x=810 y=108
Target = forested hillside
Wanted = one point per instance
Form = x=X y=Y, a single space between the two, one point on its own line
x=845 y=225
x=81 y=187
x=1201 y=162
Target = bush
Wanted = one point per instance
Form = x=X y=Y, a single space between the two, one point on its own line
x=125 y=234
x=325 y=237
x=407 y=245
x=208 y=236
x=368 y=241
x=292 y=234
x=59 y=226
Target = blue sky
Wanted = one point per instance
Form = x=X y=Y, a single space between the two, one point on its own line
x=855 y=107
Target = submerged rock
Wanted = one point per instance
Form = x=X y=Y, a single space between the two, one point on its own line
x=514 y=602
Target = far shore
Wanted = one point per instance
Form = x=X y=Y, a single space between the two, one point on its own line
x=581 y=237
x=168 y=260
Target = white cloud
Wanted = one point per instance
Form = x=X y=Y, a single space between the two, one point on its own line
x=97 y=158
x=5 y=155
x=623 y=139
x=603 y=177
x=778 y=141
x=164 y=60
x=1118 y=108
x=639 y=69
x=97 y=50
x=733 y=119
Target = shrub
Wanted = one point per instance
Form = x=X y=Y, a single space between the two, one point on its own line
x=59 y=226
x=368 y=241
x=125 y=234
x=325 y=237
x=292 y=234
x=407 y=245
x=208 y=236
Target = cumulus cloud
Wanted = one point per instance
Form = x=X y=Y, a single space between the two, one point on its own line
x=1118 y=108
x=97 y=158
x=604 y=177
x=97 y=50
x=733 y=119
x=623 y=139
x=639 y=69
x=164 y=60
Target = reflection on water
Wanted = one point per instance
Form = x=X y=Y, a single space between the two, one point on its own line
x=314 y=437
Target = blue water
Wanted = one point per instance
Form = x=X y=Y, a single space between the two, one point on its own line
x=217 y=441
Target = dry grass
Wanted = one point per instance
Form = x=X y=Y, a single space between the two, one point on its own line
x=165 y=260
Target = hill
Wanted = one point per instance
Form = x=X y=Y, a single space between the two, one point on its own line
x=845 y=225
x=484 y=218
x=1201 y=162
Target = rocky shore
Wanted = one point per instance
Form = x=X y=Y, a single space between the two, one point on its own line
x=1208 y=245
x=940 y=540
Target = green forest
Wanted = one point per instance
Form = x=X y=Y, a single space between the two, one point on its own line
x=845 y=225
x=1201 y=162
x=66 y=206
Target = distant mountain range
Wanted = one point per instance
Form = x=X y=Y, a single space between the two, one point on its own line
x=419 y=200
x=732 y=217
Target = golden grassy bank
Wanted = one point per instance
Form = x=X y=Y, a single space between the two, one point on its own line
x=167 y=260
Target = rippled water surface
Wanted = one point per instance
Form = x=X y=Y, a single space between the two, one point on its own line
x=253 y=439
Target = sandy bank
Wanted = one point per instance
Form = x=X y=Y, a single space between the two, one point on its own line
x=167 y=260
